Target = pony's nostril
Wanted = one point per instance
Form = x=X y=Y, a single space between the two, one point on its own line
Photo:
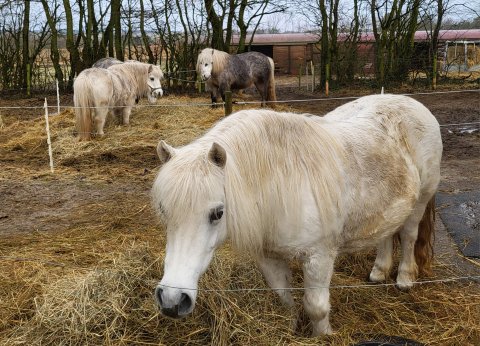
x=158 y=296
x=185 y=304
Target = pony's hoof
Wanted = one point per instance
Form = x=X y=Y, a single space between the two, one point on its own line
x=405 y=281
x=321 y=328
x=404 y=286
x=377 y=275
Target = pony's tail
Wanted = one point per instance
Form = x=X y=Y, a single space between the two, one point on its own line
x=271 y=95
x=83 y=110
x=424 y=244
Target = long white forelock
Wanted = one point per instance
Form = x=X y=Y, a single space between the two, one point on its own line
x=185 y=183
x=204 y=57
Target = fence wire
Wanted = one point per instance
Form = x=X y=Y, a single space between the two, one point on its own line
x=210 y=104
x=472 y=278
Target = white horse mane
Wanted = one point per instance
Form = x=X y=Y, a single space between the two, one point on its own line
x=136 y=73
x=217 y=58
x=260 y=151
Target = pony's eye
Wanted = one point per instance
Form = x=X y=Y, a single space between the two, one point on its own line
x=161 y=209
x=216 y=214
x=152 y=79
x=206 y=64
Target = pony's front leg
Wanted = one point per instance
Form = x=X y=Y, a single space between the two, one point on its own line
x=383 y=261
x=213 y=96
x=278 y=275
x=317 y=271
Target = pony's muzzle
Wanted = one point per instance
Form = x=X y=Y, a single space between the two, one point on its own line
x=176 y=306
x=157 y=93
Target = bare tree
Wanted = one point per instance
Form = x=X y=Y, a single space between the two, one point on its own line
x=52 y=18
x=145 y=37
x=250 y=15
x=432 y=17
x=223 y=15
x=394 y=24
x=76 y=65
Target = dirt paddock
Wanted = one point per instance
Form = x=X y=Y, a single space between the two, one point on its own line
x=81 y=251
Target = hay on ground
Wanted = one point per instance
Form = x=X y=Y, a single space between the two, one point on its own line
x=92 y=281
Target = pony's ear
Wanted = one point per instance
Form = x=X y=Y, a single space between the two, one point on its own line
x=217 y=155
x=165 y=152
x=150 y=68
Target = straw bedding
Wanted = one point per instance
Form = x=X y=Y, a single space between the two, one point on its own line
x=92 y=281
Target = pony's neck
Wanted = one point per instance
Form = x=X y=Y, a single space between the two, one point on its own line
x=219 y=61
x=139 y=72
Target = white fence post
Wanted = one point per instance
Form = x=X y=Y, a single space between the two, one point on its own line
x=58 y=99
x=49 y=142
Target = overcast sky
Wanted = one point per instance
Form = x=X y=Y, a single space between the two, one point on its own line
x=294 y=21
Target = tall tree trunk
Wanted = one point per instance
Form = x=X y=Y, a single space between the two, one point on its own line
x=55 y=54
x=26 y=44
x=117 y=27
x=242 y=26
x=217 y=26
x=434 y=41
x=325 y=46
x=353 y=45
x=146 y=43
x=70 y=43
x=333 y=32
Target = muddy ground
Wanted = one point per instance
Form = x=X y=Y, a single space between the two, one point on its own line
x=42 y=202
x=31 y=198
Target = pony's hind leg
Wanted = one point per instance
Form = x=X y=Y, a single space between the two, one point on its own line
x=410 y=234
x=383 y=261
x=317 y=271
x=262 y=89
x=278 y=275
x=100 y=118
x=126 y=115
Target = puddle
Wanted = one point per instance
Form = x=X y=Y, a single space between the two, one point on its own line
x=460 y=213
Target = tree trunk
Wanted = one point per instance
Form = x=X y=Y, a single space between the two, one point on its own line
x=26 y=64
x=353 y=46
x=217 y=26
x=146 y=43
x=75 y=67
x=55 y=54
x=117 y=27
x=440 y=13
x=325 y=46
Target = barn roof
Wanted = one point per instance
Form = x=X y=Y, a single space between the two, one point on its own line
x=452 y=35
x=305 y=38
x=444 y=35
x=279 y=39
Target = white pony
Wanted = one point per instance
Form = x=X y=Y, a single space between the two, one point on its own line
x=98 y=90
x=284 y=185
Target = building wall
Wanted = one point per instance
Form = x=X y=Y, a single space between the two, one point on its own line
x=288 y=59
x=366 y=59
